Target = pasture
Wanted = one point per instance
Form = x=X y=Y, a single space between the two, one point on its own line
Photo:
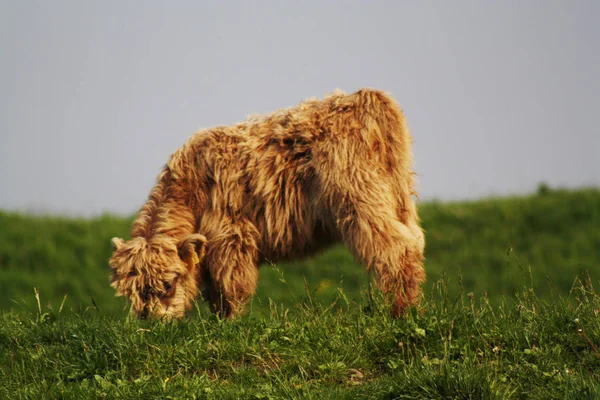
x=510 y=311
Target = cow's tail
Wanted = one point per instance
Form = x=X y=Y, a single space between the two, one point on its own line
x=392 y=144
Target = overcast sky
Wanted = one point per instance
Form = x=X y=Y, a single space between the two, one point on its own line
x=94 y=96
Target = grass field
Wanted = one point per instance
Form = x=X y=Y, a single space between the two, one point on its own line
x=524 y=348
x=492 y=244
x=499 y=319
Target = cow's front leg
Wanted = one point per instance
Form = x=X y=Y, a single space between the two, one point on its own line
x=231 y=260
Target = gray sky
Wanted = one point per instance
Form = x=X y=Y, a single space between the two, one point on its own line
x=94 y=96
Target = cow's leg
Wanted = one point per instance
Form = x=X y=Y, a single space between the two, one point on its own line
x=383 y=244
x=232 y=264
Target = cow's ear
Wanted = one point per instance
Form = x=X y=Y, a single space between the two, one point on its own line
x=117 y=243
x=192 y=249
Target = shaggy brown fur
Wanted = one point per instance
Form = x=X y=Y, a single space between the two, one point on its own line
x=273 y=188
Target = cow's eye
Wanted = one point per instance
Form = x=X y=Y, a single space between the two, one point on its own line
x=168 y=286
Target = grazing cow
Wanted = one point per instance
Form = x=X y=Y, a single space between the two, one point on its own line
x=277 y=187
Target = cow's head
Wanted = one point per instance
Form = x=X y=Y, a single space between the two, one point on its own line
x=159 y=276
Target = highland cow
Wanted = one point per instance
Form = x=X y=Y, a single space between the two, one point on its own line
x=272 y=188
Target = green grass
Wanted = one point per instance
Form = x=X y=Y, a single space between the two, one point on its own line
x=492 y=243
x=509 y=312
x=456 y=349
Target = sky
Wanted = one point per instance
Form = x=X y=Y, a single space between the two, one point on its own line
x=95 y=96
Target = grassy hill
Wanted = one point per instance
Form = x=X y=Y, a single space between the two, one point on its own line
x=510 y=311
x=522 y=349
x=496 y=246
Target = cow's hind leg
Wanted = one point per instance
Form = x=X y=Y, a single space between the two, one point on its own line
x=385 y=246
x=232 y=264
